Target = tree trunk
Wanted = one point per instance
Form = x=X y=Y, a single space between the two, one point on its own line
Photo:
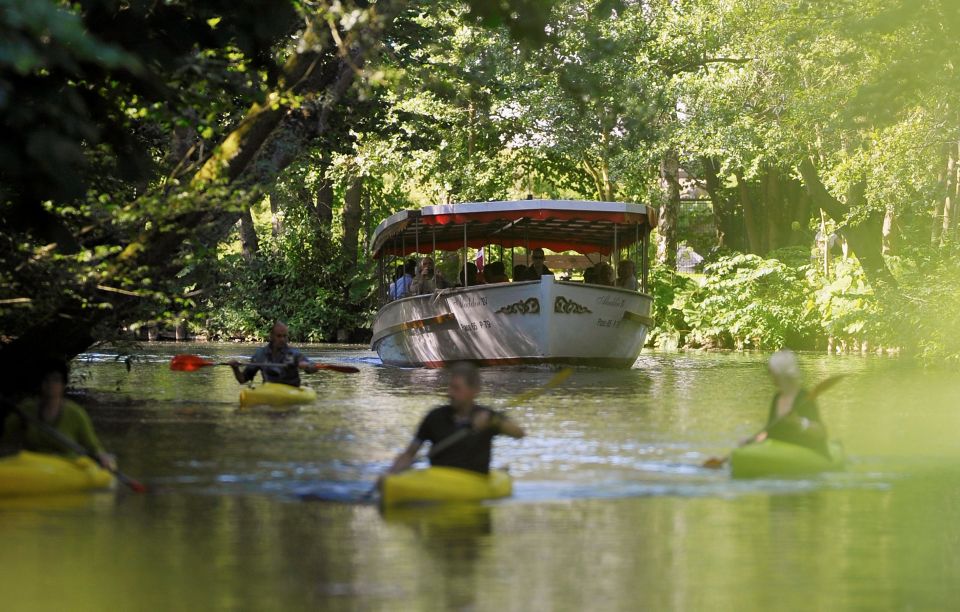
x=249 y=245
x=667 y=225
x=728 y=225
x=937 y=226
x=276 y=216
x=774 y=205
x=950 y=200
x=324 y=208
x=352 y=216
x=865 y=239
x=890 y=234
x=749 y=215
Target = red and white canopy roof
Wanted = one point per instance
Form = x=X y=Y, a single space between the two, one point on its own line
x=558 y=225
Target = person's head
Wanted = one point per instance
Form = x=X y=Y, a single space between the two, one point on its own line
x=427 y=265
x=399 y=272
x=785 y=370
x=590 y=275
x=54 y=374
x=471 y=274
x=626 y=268
x=463 y=383
x=410 y=267
x=537 y=259
x=495 y=272
x=519 y=272
x=279 y=335
x=603 y=274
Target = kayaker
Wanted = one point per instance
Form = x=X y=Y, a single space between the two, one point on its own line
x=794 y=416
x=52 y=407
x=278 y=350
x=474 y=427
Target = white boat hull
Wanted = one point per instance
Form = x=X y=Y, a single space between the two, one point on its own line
x=515 y=323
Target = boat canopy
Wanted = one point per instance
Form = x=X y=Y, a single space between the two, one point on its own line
x=557 y=225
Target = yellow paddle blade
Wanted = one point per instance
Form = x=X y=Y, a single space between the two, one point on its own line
x=715 y=463
x=557 y=379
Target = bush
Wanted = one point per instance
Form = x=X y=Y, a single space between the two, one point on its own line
x=746 y=301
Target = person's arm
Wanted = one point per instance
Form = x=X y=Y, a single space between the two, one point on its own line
x=303 y=362
x=500 y=423
x=510 y=428
x=240 y=375
x=246 y=374
x=86 y=436
x=405 y=459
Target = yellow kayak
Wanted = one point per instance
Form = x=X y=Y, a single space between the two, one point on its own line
x=28 y=473
x=444 y=484
x=276 y=394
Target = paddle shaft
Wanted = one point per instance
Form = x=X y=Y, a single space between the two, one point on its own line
x=192 y=363
x=77 y=448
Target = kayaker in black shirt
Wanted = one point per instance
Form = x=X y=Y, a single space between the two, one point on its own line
x=460 y=433
x=288 y=359
x=794 y=415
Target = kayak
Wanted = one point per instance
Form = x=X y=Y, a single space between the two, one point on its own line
x=444 y=484
x=28 y=473
x=778 y=458
x=276 y=394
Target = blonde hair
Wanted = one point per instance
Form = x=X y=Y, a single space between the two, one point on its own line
x=784 y=365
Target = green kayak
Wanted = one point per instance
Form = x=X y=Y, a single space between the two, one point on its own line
x=772 y=458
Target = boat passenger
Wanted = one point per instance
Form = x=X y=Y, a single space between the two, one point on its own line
x=400 y=288
x=277 y=351
x=627 y=275
x=538 y=268
x=590 y=275
x=428 y=279
x=603 y=274
x=53 y=408
x=495 y=272
x=519 y=273
x=474 y=427
x=794 y=417
x=473 y=276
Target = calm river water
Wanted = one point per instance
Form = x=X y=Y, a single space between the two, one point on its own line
x=610 y=512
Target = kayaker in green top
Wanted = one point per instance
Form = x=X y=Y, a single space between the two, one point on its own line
x=794 y=415
x=460 y=433
x=288 y=359
x=51 y=407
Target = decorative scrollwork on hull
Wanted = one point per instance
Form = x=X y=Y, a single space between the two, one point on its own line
x=527 y=306
x=565 y=306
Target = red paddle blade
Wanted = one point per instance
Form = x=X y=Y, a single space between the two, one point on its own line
x=335 y=368
x=189 y=363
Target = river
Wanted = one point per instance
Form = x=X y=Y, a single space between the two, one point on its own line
x=610 y=512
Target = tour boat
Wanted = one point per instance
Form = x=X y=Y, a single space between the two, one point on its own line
x=526 y=322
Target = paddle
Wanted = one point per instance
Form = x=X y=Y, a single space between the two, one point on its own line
x=462 y=434
x=75 y=447
x=447 y=442
x=716 y=463
x=192 y=363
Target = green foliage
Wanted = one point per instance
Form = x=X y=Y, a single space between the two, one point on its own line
x=669 y=290
x=746 y=301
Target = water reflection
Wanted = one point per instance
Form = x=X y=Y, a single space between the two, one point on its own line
x=611 y=510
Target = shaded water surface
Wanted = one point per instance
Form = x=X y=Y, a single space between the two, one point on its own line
x=611 y=511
